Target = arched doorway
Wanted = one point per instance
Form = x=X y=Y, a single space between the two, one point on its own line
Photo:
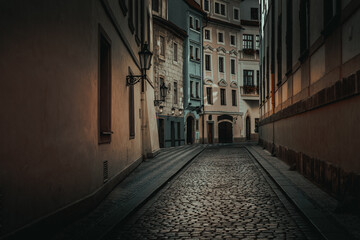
x=248 y=128
x=225 y=132
x=190 y=130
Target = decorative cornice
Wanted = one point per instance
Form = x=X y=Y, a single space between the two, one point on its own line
x=222 y=83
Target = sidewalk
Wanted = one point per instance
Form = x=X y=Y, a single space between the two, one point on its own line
x=315 y=204
x=131 y=193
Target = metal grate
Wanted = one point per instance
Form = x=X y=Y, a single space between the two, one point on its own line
x=105 y=171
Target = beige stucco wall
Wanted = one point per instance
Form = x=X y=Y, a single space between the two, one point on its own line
x=49 y=100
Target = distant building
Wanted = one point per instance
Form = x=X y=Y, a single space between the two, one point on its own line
x=169 y=76
x=230 y=67
x=72 y=128
x=310 y=85
x=188 y=15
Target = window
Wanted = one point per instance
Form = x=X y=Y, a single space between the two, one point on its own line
x=162 y=82
x=220 y=8
x=209 y=95
x=206 y=5
x=222 y=96
x=191 y=22
x=236 y=14
x=232 y=40
x=207 y=34
x=175 y=52
x=207 y=62
x=197 y=90
x=232 y=61
x=254 y=14
x=256 y=125
x=233 y=97
x=217 y=8
x=197 y=54
x=220 y=37
x=175 y=93
x=155 y=5
x=191 y=89
x=105 y=90
x=257 y=39
x=191 y=52
x=248 y=78
x=248 y=41
x=197 y=24
x=197 y=124
x=162 y=46
x=221 y=64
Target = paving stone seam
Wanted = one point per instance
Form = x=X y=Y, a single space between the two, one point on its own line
x=109 y=228
x=326 y=219
x=287 y=202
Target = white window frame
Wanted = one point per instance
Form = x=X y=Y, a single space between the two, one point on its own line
x=219 y=14
x=211 y=67
x=233 y=59
x=217 y=37
x=223 y=57
x=232 y=34
x=236 y=19
x=208 y=40
x=191 y=22
x=177 y=51
x=209 y=5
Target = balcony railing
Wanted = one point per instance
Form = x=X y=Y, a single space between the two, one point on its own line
x=249 y=92
x=249 y=53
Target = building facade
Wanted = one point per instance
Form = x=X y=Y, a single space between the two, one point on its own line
x=310 y=78
x=168 y=76
x=188 y=15
x=74 y=127
x=249 y=55
x=230 y=66
x=222 y=116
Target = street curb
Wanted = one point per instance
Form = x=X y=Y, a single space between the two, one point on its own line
x=327 y=227
x=143 y=202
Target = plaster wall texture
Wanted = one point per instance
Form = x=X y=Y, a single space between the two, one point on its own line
x=51 y=157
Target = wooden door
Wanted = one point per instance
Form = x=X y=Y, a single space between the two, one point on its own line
x=161 y=129
x=225 y=132
x=210 y=133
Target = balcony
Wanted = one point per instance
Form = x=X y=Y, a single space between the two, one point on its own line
x=249 y=54
x=249 y=92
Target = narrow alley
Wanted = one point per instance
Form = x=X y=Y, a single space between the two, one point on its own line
x=222 y=194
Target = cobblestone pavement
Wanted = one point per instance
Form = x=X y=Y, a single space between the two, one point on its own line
x=222 y=194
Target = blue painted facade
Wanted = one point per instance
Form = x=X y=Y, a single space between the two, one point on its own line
x=190 y=19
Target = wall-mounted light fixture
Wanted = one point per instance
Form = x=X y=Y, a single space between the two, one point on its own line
x=180 y=111
x=161 y=109
x=173 y=111
x=145 y=57
x=163 y=92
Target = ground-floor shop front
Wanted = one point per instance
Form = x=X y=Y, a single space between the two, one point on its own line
x=171 y=131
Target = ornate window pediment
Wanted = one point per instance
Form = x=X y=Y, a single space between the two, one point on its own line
x=208 y=81
x=221 y=49
x=234 y=52
x=233 y=84
x=208 y=47
x=222 y=83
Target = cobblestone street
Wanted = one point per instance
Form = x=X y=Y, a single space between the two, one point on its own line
x=222 y=194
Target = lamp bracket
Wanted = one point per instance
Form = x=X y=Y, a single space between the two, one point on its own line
x=133 y=79
x=158 y=102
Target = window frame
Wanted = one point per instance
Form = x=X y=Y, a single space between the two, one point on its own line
x=233 y=97
x=220 y=9
x=233 y=68
x=232 y=35
x=223 y=96
x=175 y=48
x=208 y=64
x=175 y=97
x=246 y=77
x=252 y=14
x=223 y=37
x=209 y=95
x=238 y=14
x=221 y=66
x=205 y=39
x=249 y=42
x=162 y=48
